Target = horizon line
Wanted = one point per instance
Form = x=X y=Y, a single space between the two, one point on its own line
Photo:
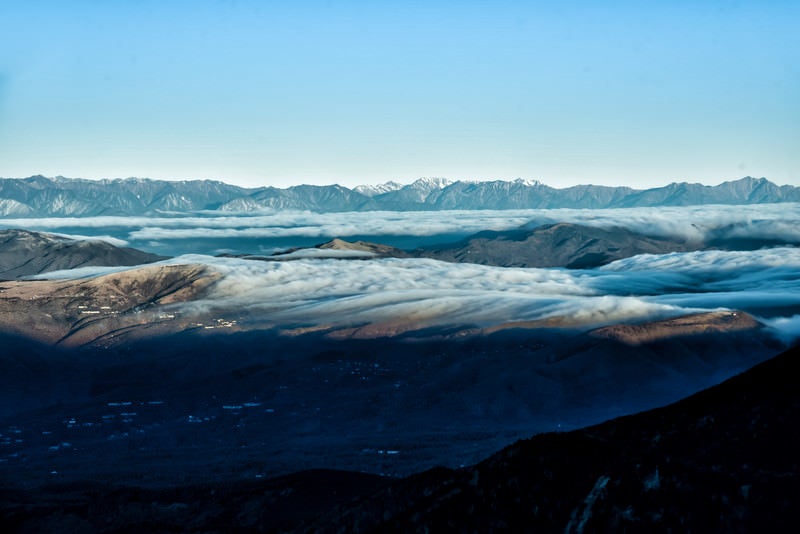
x=449 y=181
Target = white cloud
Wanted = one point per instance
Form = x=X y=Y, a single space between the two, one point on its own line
x=709 y=262
x=695 y=223
x=325 y=253
x=786 y=328
x=334 y=291
x=79 y=272
x=429 y=292
x=107 y=238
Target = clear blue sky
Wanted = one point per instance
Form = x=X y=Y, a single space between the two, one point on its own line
x=639 y=93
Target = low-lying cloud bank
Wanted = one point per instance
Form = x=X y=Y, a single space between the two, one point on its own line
x=81 y=272
x=340 y=293
x=107 y=238
x=786 y=328
x=425 y=292
x=695 y=223
x=331 y=291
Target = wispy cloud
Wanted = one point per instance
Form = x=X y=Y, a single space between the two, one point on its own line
x=321 y=291
x=79 y=272
x=695 y=223
x=424 y=292
x=786 y=328
x=117 y=242
x=428 y=292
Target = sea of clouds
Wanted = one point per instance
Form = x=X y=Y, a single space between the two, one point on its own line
x=425 y=292
x=693 y=223
x=326 y=288
x=308 y=292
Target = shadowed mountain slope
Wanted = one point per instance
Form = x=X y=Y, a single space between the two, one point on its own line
x=721 y=460
x=26 y=253
x=325 y=402
x=724 y=459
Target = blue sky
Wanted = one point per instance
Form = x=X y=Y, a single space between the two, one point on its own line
x=277 y=93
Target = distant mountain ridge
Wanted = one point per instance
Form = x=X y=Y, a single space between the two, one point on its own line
x=567 y=245
x=554 y=245
x=39 y=196
x=25 y=253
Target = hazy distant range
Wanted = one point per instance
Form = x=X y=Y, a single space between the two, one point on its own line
x=38 y=196
x=207 y=217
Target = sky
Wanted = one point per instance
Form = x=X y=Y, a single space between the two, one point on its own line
x=351 y=92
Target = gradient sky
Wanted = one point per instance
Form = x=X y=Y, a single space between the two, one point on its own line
x=278 y=93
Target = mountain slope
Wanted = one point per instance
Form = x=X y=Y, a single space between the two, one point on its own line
x=338 y=248
x=38 y=196
x=556 y=245
x=744 y=191
x=27 y=253
x=724 y=459
x=109 y=307
x=379 y=189
x=303 y=197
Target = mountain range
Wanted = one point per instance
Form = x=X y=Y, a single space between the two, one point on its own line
x=38 y=196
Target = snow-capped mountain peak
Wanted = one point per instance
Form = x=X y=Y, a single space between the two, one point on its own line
x=371 y=190
x=430 y=184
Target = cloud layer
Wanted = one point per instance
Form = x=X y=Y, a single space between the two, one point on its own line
x=308 y=292
x=335 y=291
x=695 y=223
x=311 y=292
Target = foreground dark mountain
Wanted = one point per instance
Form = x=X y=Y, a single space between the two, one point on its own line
x=722 y=460
x=26 y=253
x=278 y=403
x=38 y=196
